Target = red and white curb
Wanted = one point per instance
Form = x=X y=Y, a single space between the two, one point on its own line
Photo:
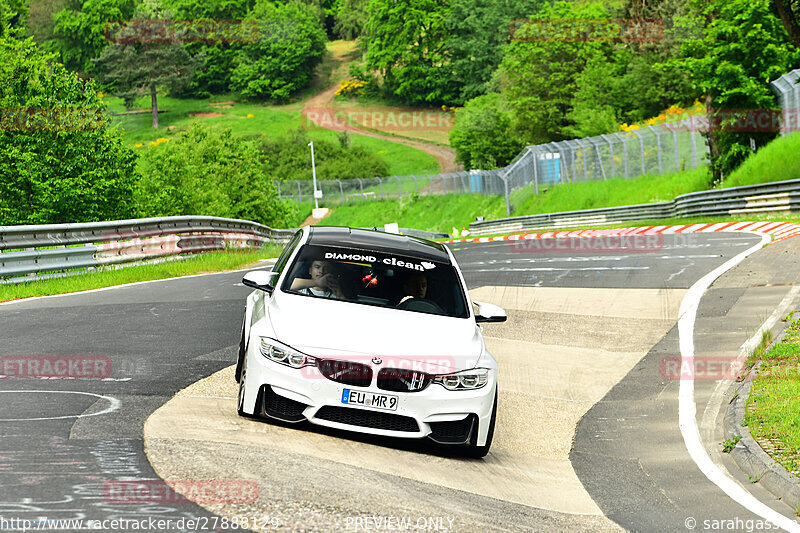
x=778 y=231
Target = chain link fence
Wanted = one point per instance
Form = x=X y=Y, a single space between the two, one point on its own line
x=658 y=149
x=788 y=92
x=486 y=182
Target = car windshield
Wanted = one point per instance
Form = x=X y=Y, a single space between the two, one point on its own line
x=377 y=279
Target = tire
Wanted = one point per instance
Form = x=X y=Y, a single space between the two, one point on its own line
x=240 y=397
x=475 y=451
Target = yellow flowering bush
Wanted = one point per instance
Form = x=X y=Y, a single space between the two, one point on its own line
x=350 y=87
x=673 y=113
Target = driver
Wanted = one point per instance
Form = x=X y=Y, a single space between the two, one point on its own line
x=324 y=282
x=416 y=286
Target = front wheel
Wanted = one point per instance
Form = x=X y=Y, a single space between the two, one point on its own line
x=473 y=450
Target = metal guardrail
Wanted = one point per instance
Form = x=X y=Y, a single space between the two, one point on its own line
x=28 y=252
x=778 y=196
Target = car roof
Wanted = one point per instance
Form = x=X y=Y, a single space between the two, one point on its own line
x=378 y=241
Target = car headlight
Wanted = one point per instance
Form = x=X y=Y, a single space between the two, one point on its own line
x=280 y=353
x=464 y=380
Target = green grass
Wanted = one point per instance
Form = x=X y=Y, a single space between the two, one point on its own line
x=776 y=161
x=773 y=408
x=430 y=213
x=198 y=264
x=608 y=193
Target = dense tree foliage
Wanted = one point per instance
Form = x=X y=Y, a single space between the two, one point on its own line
x=478 y=33
x=219 y=53
x=406 y=44
x=540 y=71
x=290 y=44
x=208 y=172
x=80 y=30
x=742 y=47
x=60 y=160
x=480 y=135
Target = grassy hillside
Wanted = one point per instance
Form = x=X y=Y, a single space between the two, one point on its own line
x=779 y=160
x=252 y=120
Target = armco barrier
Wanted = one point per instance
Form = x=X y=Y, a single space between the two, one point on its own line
x=28 y=252
x=778 y=196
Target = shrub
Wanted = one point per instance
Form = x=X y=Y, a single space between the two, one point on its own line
x=60 y=161
x=208 y=172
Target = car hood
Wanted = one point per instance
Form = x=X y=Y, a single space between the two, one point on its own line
x=331 y=328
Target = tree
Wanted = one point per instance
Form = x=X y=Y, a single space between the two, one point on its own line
x=60 y=159
x=351 y=18
x=480 y=133
x=743 y=46
x=208 y=172
x=135 y=69
x=80 y=30
x=281 y=61
x=406 y=43
x=788 y=11
x=479 y=33
x=540 y=71
x=213 y=76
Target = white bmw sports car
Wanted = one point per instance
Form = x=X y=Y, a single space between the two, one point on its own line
x=370 y=332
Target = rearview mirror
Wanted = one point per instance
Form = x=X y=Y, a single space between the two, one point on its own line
x=489 y=313
x=260 y=279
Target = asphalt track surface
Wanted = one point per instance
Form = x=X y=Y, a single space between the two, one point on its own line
x=59 y=449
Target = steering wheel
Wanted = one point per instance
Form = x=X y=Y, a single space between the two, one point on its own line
x=421 y=304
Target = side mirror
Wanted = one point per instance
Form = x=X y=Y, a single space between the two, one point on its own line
x=260 y=279
x=489 y=313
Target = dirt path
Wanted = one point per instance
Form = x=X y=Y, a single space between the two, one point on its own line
x=444 y=155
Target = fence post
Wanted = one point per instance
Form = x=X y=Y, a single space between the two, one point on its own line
x=694 y=141
x=380 y=184
x=278 y=185
x=415 y=183
x=641 y=149
x=658 y=144
x=341 y=190
x=611 y=155
x=361 y=185
x=299 y=194
x=530 y=150
x=399 y=188
x=625 y=155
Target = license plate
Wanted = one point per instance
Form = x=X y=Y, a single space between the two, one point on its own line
x=369 y=399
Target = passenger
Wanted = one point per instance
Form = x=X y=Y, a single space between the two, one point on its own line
x=416 y=286
x=324 y=282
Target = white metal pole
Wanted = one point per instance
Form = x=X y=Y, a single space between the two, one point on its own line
x=314 y=174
